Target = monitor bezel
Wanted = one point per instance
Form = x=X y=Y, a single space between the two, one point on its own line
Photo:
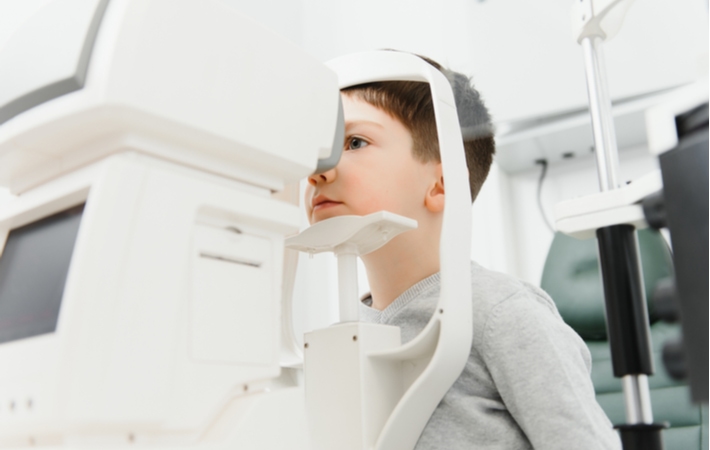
x=34 y=357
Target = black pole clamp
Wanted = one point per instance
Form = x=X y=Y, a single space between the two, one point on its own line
x=642 y=436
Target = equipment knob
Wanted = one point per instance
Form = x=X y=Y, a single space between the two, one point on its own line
x=674 y=359
x=654 y=208
x=665 y=301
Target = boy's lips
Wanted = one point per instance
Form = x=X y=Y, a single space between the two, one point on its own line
x=322 y=202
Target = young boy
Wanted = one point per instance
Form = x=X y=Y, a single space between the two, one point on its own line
x=526 y=383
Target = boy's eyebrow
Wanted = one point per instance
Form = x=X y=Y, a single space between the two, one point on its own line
x=352 y=123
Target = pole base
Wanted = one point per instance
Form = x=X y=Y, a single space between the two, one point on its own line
x=642 y=436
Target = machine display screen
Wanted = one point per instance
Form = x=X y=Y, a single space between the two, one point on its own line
x=33 y=270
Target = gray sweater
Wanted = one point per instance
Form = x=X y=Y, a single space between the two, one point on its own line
x=526 y=383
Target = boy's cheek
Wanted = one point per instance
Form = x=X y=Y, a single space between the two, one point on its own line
x=368 y=204
x=308 y=195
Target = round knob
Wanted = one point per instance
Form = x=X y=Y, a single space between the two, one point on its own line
x=674 y=359
x=654 y=208
x=665 y=302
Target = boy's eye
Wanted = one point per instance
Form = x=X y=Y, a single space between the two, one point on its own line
x=355 y=143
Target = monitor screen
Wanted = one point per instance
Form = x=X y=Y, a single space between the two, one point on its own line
x=33 y=269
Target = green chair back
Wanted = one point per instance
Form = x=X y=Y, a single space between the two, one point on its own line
x=572 y=278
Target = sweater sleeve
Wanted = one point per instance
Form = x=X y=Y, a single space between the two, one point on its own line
x=540 y=367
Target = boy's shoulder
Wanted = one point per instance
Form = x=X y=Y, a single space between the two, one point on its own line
x=492 y=293
x=498 y=293
x=490 y=289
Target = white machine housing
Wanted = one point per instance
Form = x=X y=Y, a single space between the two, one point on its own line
x=190 y=86
x=189 y=117
x=170 y=308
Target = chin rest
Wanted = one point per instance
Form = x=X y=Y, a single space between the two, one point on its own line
x=572 y=278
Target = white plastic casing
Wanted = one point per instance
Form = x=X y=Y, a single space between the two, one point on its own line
x=191 y=82
x=339 y=357
x=170 y=309
x=581 y=217
x=349 y=237
x=169 y=328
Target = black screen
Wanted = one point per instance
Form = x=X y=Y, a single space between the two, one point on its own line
x=33 y=270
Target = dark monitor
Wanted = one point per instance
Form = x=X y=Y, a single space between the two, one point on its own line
x=33 y=271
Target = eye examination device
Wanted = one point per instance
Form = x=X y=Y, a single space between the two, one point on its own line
x=142 y=251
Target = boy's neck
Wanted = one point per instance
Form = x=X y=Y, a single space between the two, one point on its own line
x=399 y=265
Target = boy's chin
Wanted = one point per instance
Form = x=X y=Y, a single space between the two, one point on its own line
x=336 y=212
x=315 y=218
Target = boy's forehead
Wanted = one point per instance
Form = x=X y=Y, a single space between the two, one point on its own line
x=357 y=111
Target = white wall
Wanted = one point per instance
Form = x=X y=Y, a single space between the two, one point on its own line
x=284 y=17
x=522 y=54
x=492 y=225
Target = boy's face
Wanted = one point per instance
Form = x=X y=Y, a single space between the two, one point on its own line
x=377 y=170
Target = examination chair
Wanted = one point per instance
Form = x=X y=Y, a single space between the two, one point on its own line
x=572 y=278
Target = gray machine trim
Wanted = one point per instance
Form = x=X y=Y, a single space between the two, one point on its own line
x=61 y=87
x=328 y=163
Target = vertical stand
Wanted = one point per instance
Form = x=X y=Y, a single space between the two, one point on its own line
x=627 y=318
x=350 y=393
x=347 y=283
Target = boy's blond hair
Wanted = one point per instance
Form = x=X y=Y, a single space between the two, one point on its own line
x=410 y=102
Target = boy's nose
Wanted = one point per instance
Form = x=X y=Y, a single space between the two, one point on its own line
x=326 y=177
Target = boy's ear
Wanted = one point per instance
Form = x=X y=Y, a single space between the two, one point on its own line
x=434 y=200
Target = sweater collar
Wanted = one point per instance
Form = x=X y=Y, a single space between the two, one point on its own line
x=400 y=302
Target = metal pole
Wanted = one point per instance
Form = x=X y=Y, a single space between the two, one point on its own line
x=600 y=110
x=635 y=385
x=638 y=409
